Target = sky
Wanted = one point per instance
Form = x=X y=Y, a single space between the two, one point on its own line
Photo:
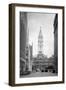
x=45 y=21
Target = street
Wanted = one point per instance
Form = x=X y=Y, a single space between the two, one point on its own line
x=39 y=74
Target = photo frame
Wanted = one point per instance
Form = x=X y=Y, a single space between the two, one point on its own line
x=36 y=44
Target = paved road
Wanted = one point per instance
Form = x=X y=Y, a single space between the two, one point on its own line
x=40 y=74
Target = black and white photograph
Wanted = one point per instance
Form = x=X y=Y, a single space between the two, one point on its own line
x=38 y=44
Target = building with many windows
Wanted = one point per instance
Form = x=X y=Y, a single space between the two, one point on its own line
x=23 y=34
x=24 y=46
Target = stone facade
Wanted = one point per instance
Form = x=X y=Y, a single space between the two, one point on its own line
x=24 y=49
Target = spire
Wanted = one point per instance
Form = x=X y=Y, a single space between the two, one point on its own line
x=40 y=33
x=40 y=41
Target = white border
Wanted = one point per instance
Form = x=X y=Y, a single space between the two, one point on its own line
x=19 y=80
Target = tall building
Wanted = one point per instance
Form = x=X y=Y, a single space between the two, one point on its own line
x=24 y=46
x=23 y=33
x=56 y=41
x=40 y=42
x=39 y=62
